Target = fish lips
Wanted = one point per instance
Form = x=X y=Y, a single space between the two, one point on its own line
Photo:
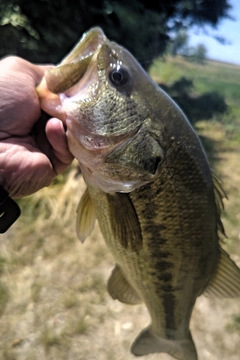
x=71 y=76
x=74 y=66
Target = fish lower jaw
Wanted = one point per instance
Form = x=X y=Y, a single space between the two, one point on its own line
x=107 y=185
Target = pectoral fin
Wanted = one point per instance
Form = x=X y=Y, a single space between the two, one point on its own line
x=148 y=343
x=124 y=221
x=85 y=216
x=226 y=281
x=120 y=289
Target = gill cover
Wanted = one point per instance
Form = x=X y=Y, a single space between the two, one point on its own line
x=141 y=153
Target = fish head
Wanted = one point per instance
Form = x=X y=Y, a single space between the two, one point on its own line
x=99 y=92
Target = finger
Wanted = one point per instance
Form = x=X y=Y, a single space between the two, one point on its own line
x=39 y=72
x=61 y=156
x=18 y=65
x=19 y=100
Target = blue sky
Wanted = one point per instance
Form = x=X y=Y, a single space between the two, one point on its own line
x=228 y=29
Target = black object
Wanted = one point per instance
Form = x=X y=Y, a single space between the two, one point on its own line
x=9 y=211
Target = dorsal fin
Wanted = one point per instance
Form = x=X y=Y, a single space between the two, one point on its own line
x=226 y=281
x=85 y=216
x=219 y=194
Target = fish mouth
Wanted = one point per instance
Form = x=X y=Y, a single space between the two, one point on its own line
x=72 y=75
x=75 y=65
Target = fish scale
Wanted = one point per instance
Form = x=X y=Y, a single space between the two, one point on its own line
x=149 y=185
x=166 y=246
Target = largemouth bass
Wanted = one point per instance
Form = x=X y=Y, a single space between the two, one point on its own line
x=149 y=185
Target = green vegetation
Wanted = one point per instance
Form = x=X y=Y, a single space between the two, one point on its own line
x=214 y=77
x=49 y=338
x=180 y=46
x=44 y=31
x=235 y=324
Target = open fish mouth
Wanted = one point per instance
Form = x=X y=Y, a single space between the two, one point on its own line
x=71 y=78
x=74 y=66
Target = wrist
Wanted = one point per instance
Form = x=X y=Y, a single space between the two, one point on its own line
x=9 y=210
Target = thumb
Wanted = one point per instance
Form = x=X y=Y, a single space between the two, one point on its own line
x=56 y=135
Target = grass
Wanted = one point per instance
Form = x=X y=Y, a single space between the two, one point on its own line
x=234 y=325
x=78 y=326
x=214 y=76
x=4 y=297
x=3 y=262
x=49 y=338
x=70 y=299
x=8 y=355
x=36 y=291
x=53 y=298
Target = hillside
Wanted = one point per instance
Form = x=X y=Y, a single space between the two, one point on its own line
x=53 y=299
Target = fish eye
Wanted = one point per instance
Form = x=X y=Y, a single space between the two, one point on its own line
x=119 y=76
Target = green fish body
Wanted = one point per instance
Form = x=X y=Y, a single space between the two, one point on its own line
x=149 y=185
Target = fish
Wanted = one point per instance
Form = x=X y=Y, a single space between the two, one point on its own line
x=149 y=186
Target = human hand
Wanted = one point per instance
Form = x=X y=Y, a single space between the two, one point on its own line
x=31 y=154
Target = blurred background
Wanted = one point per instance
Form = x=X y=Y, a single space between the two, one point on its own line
x=53 y=298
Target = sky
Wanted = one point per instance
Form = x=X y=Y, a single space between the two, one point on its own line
x=228 y=29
